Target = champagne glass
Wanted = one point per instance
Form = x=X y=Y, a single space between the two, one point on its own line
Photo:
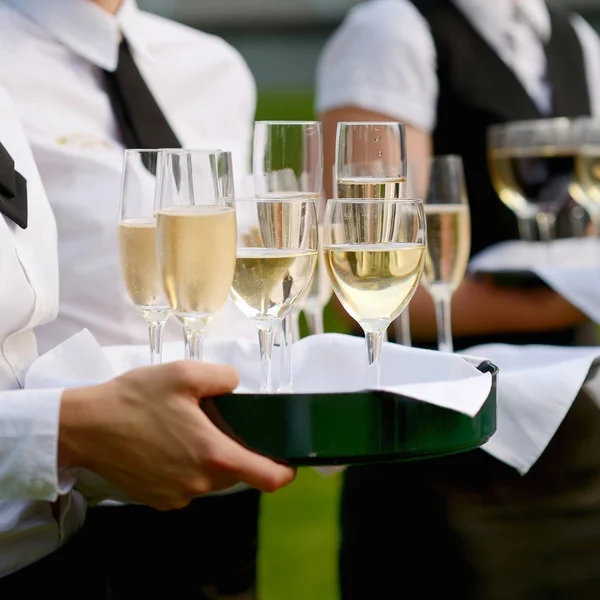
x=375 y=254
x=441 y=182
x=371 y=163
x=288 y=162
x=532 y=167
x=276 y=260
x=137 y=244
x=196 y=238
x=586 y=186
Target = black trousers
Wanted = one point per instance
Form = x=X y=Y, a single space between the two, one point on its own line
x=205 y=551
x=68 y=574
x=471 y=527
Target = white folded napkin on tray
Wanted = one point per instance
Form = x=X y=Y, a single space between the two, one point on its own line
x=337 y=363
x=570 y=266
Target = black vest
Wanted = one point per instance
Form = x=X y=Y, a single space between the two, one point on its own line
x=476 y=90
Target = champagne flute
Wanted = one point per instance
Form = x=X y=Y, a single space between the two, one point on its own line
x=532 y=169
x=371 y=163
x=586 y=187
x=196 y=238
x=276 y=260
x=441 y=182
x=375 y=254
x=137 y=244
x=288 y=162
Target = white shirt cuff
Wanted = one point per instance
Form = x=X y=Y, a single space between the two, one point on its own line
x=29 y=428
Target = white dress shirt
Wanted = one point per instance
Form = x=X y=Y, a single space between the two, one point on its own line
x=51 y=56
x=383 y=57
x=29 y=420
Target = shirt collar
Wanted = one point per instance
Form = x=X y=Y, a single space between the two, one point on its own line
x=87 y=29
x=499 y=15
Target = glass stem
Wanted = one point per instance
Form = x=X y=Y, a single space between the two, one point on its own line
x=287 y=334
x=547 y=224
x=266 y=339
x=374 y=344
x=405 y=322
x=443 y=315
x=314 y=320
x=527 y=229
x=155 y=335
x=194 y=340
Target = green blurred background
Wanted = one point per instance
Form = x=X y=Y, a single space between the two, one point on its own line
x=281 y=41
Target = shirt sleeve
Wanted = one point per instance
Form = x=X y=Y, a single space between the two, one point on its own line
x=590 y=43
x=29 y=427
x=381 y=59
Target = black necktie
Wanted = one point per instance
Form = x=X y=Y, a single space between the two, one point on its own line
x=13 y=190
x=142 y=123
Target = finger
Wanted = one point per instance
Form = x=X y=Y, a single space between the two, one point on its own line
x=257 y=471
x=260 y=472
x=204 y=380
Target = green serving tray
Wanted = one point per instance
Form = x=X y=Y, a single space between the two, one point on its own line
x=350 y=428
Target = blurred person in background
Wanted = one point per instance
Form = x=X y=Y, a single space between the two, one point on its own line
x=469 y=524
x=90 y=78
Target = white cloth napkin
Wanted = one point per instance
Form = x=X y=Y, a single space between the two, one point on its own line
x=536 y=388
x=571 y=267
x=337 y=363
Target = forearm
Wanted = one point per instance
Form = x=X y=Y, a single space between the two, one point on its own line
x=480 y=308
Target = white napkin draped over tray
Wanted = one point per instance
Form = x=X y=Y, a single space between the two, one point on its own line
x=337 y=363
x=571 y=267
x=536 y=388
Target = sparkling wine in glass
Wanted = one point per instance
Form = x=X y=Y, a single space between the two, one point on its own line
x=441 y=182
x=375 y=254
x=137 y=243
x=196 y=238
x=288 y=162
x=532 y=168
x=276 y=259
x=371 y=163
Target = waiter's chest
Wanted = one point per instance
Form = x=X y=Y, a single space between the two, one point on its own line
x=76 y=141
